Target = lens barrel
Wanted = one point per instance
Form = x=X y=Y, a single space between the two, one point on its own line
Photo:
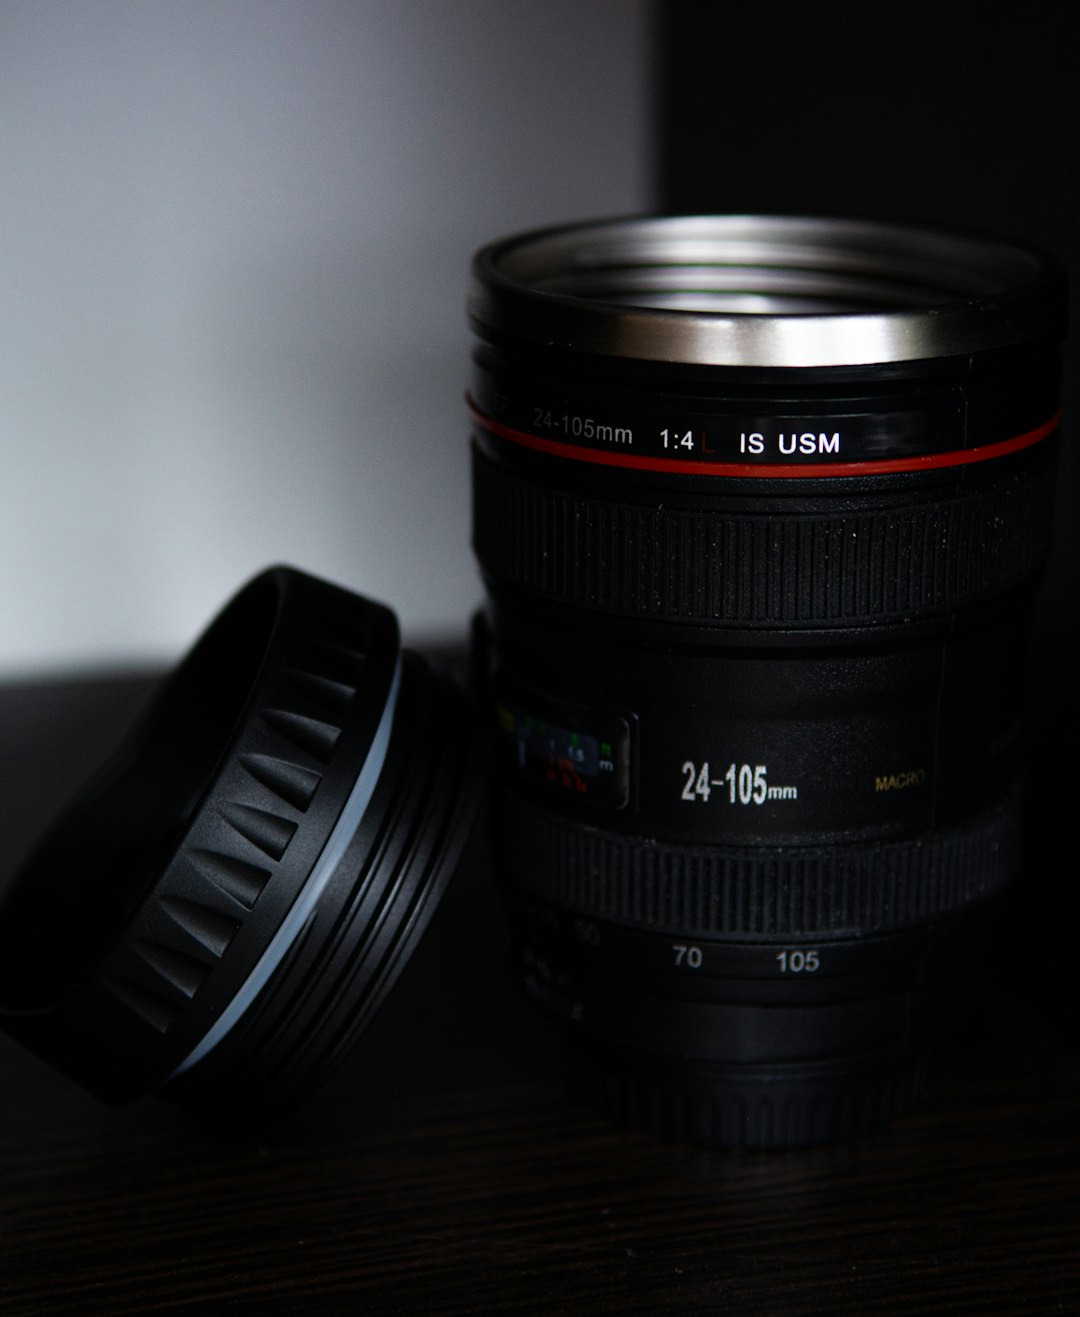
x=761 y=504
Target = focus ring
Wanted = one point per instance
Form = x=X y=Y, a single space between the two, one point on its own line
x=758 y=892
x=697 y=565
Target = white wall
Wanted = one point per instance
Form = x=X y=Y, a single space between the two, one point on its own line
x=233 y=246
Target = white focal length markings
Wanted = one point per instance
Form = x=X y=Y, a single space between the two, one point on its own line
x=581 y=427
x=795 y=960
x=740 y=784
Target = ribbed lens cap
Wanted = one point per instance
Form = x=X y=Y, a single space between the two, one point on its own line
x=228 y=904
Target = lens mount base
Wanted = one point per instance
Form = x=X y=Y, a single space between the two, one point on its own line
x=752 y=1110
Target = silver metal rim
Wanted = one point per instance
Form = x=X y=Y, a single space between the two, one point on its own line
x=765 y=291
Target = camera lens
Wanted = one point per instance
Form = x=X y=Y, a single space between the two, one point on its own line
x=761 y=504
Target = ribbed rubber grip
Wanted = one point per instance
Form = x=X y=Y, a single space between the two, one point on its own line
x=297 y=735
x=659 y=560
x=376 y=907
x=754 y=892
x=754 y=1111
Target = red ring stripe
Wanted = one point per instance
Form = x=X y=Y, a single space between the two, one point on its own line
x=787 y=470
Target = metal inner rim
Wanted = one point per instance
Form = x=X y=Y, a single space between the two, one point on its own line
x=764 y=291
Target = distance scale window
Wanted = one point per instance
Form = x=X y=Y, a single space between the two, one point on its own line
x=575 y=753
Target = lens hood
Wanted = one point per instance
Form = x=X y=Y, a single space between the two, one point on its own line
x=226 y=906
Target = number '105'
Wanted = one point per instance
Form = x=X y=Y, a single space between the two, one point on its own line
x=798 y=962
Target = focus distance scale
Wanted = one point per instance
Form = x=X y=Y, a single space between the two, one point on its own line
x=761 y=504
x=222 y=912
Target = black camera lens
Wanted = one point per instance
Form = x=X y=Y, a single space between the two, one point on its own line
x=761 y=504
x=223 y=910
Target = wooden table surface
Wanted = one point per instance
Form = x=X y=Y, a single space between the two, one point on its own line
x=448 y=1168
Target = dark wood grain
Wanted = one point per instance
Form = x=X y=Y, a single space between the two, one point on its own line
x=448 y=1168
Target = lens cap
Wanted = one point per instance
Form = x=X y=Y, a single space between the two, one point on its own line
x=224 y=909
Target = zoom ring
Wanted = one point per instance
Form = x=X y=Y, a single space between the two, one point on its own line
x=758 y=892
x=661 y=561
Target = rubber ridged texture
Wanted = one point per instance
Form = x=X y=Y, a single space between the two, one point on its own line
x=755 y=1113
x=377 y=905
x=754 y=892
x=661 y=561
x=245 y=852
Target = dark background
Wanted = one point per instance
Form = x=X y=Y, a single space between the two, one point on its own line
x=954 y=113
